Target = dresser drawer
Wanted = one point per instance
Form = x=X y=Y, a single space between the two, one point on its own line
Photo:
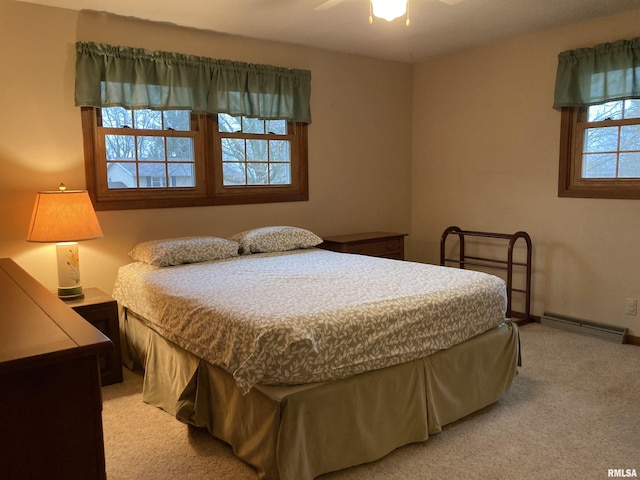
x=375 y=244
x=380 y=248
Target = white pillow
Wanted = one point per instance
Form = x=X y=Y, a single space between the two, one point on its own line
x=275 y=239
x=176 y=251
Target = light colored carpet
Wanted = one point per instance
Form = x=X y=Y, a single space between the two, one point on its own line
x=572 y=412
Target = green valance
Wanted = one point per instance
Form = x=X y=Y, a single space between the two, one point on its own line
x=588 y=76
x=135 y=78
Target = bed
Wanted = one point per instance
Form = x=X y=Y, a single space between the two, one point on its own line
x=308 y=361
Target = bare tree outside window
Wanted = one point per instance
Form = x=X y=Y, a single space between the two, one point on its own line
x=250 y=159
x=149 y=157
x=612 y=151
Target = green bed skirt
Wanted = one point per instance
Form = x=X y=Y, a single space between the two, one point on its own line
x=300 y=432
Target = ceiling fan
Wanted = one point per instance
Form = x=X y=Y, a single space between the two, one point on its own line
x=387 y=9
x=327 y=4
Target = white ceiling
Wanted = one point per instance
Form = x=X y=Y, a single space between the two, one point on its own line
x=436 y=27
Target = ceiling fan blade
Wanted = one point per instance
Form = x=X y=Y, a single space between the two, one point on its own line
x=328 y=4
x=452 y=2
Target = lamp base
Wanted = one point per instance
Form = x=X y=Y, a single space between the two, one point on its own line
x=69 y=285
x=70 y=293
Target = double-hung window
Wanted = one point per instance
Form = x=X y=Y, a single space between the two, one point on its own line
x=258 y=160
x=598 y=92
x=147 y=148
x=164 y=129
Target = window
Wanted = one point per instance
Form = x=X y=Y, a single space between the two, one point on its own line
x=600 y=151
x=254 y=151
x=148 y=148
x=171 y=158
x=598 y=92
x=165 y=129
x=258 y=160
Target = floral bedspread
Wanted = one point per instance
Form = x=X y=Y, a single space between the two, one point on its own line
x=310 y=315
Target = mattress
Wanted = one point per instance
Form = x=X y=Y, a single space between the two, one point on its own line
x=310 y=315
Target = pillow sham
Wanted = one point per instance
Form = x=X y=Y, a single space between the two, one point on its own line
x=275 y=239
x=176 y=251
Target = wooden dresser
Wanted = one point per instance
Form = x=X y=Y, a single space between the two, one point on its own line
x=376 y=244
x=50 y=398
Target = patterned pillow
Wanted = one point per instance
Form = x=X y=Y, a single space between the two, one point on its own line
x=175 y=251
x=275 y=239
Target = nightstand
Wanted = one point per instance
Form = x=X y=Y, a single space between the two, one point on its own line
x=375 y=244
x=101 y=311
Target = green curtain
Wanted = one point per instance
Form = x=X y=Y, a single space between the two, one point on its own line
x=588 y=76
x=136 y=78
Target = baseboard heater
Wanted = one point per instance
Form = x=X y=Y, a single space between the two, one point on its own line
x=585 y=327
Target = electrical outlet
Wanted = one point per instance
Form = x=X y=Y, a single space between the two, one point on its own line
x=631 y=306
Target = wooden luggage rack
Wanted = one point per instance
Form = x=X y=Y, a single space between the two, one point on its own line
x=463 y=260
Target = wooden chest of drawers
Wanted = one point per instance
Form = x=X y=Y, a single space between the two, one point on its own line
x=50 y=420
x=375 y=244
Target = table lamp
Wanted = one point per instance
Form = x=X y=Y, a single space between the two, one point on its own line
x=65 y=217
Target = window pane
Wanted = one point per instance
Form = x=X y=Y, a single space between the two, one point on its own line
x=147 y=119
x=177 y=119
x=227 y=123
x=232 y=149
x=599 y=166
x=233 y=174
x=116 y=117
x=632 y=108
x=150 y=148
x=120 y=147
x=279 y=151
x=280 y=173
x=181 y=174
x=606 y=111
x=630 y=137
x=279 y=127
x=151 y=175
x=252 y=125
x=629 y=165
x=257 y=173
x=121 y=175
x=257 y=150
x=603 y=139
x=180 y=149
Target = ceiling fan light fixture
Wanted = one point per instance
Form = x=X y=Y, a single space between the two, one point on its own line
x=389 y=9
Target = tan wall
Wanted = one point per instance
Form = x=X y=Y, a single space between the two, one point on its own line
x=485 y=157
x=485 y=153
x=359 y=141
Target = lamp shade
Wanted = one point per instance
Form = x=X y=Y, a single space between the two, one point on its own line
x=63 y=216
